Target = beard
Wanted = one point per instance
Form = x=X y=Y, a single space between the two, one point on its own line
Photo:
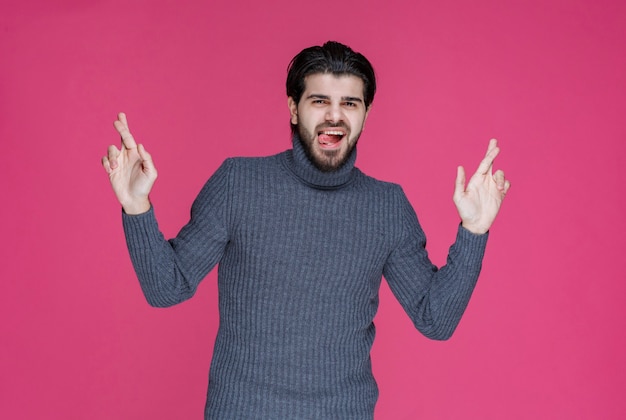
x=330 y=160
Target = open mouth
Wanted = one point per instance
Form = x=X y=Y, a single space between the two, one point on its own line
x=330 y=139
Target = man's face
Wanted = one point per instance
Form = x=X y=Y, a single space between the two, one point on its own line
x=330 y=117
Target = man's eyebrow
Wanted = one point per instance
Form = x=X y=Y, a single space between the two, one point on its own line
x=317 y=96
x=343 y=98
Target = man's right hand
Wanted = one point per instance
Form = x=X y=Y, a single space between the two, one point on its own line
x=131 y=170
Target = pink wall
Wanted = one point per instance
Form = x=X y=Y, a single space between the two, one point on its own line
x=544 y=336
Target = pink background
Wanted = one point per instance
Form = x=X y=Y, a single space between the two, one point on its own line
x=544 y=336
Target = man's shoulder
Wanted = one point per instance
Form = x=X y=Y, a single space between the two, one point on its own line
x=246 y=163
x=379 y=185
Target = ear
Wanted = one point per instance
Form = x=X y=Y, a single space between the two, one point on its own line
x=367 y=112
x=293 y=110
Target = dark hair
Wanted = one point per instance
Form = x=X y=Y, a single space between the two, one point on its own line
x=334 y=58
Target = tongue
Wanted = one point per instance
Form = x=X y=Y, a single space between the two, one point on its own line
x=326 y=139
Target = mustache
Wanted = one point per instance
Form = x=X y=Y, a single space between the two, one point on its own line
x=332 y=125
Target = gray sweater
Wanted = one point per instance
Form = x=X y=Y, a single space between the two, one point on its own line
x=301 y=254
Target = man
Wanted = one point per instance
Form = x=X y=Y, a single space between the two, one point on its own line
x=302 y=239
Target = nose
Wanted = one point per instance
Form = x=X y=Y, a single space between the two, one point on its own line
x=334 y=114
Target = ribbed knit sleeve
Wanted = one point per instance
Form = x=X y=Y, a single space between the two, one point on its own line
x=169 y=271
x=434 y=299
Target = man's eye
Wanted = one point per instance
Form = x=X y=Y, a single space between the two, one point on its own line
x=350 y=104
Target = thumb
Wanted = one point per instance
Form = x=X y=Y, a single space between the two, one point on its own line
x=146 y=161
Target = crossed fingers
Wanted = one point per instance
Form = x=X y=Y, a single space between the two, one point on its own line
x=486 y=168
x=121 y=125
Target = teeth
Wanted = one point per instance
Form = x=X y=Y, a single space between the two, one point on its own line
x=333 y=133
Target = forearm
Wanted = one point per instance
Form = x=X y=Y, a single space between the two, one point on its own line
x=435 y=299
x=452 y=286
x=162 y=281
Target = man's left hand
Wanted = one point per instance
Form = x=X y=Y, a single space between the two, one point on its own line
x=479 y=203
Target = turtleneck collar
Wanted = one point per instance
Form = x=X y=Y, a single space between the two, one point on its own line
x=299 y=164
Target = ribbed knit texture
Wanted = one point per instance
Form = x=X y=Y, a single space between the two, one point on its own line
x=301 y=254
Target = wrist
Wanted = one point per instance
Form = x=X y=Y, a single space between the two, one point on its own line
x=137 y=206
x=475 y=229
